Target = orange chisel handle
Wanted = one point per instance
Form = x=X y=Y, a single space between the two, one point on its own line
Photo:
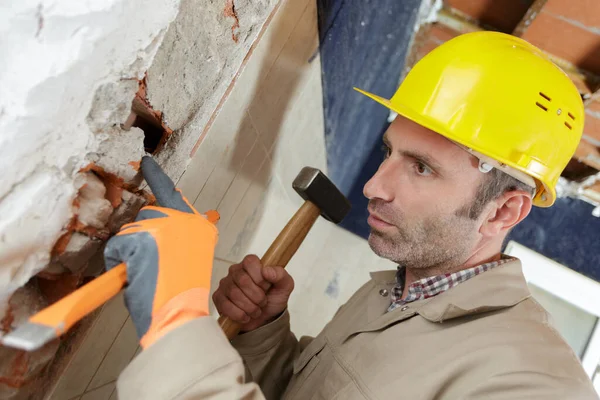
x=66 y=312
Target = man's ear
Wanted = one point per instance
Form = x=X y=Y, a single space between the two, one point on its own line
x=506 y=212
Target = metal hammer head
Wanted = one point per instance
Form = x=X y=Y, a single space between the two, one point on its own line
x=311 y=184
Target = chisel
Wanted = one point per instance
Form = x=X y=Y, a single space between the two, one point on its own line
x=59 y=317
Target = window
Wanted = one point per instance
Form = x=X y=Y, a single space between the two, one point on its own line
x=572 y=299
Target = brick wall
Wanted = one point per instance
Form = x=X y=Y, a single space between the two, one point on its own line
x=569 y=31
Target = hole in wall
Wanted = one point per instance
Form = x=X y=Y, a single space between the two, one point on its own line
x=154 y=132
x=149 y=120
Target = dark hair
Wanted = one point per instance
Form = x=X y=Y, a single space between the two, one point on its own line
x=494 y=184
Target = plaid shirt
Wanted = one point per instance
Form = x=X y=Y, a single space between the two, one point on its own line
x=432 y=286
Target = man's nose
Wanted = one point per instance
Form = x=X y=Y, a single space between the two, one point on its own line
x=380 y=185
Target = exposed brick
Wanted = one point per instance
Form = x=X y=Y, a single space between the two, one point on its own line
x=58 y=287
x=581 y=85
x=113 y=194
x=588 y=154
x=592 y=125
x=565 y=40
x=587 y=12
x=19 y=369
x=428 y=46
x=503 y=15
x=595 y=187
x=594 y=106
x=435 y=35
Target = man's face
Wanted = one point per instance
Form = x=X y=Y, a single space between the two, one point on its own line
x=419 y=199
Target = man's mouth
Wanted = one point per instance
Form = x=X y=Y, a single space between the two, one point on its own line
x=377 y=222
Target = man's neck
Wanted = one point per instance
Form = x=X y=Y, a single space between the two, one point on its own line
x=414 y=274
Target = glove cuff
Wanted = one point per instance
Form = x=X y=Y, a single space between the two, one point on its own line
x=182 y=308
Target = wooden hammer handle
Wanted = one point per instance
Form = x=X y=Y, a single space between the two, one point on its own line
x=281 y=251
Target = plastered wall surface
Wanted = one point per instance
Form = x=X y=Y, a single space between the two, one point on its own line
x=68 y=73
x=193 y=70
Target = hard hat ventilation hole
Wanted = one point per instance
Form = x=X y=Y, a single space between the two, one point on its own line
x=571 y=116
x=568 y=126
x=543 y=107
x=545 y=96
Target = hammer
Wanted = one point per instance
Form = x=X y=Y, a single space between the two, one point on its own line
x=321 y=197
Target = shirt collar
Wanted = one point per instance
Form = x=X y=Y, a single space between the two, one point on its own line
x=500 y=287
x=434 y=285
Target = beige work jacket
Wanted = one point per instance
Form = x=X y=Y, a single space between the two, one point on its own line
x=486 y=338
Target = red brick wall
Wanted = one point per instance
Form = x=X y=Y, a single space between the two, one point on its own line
x=567 y=29
x=503 y=15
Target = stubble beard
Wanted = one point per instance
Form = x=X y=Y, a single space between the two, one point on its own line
x=440 y=243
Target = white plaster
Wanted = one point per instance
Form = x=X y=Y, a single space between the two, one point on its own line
x=54 y=55
x=428 y=12
x=116 y=152
x=94 y=210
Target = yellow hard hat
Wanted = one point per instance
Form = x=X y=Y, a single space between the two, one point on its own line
x=503 y=100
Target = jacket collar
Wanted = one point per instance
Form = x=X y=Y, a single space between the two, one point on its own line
x=501 y=287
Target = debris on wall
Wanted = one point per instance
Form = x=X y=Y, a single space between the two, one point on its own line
x=70 y=71
x=230 y=12
x=19 y=370
x=87 y=89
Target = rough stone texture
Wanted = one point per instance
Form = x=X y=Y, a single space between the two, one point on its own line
x=126 y=212
x=18 y=369
x=94 y=210
x=111 y=104
x=62 y=57
x=194 y=67
x=117 y=151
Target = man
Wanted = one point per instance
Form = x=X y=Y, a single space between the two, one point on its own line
x=486 y=125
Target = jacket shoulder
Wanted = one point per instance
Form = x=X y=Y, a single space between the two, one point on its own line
x=524 y=337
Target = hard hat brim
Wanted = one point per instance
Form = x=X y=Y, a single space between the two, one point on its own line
x=413 y=116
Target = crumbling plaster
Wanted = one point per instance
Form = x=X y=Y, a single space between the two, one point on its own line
x=68 y=73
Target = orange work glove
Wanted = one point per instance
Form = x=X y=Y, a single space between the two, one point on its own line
x=169 y=255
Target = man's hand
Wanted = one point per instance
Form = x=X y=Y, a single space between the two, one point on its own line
x=242 y=297
x=169 y=255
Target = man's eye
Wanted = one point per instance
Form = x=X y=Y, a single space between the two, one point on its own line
x=423 y=169
x=386 y=150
